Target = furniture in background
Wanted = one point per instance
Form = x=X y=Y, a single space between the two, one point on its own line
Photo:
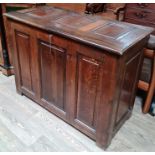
x=149 y=87
x=92 y=8
x=4 y=59
x=140 y=13
x=85 y=72
x=106 y=10
x=6 y=54
x=76 y=7
x=144 y=14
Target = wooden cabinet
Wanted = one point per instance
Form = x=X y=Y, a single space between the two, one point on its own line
x=141 y=14
x=87 y=77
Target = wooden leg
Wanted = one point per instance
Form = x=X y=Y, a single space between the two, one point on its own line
x=151 y=89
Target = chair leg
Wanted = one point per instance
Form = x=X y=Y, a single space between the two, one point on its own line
x=151 y=89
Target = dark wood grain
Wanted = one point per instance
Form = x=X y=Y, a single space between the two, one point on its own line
x=140 y=13
x=53 y=69
x=24 y=51
x=87 y=90
x=59 y=22
x=83 y=69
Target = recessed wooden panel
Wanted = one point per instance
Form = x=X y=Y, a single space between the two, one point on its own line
x=24 y=56
x=43 y=12
x=112 y=30
x=46 y=12
x=75 y=21
x=127 y=87
x=53 y=74
x=87 y=84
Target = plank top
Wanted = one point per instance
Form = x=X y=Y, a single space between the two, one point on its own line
x=109 y=35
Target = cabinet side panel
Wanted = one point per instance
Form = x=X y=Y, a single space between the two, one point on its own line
x=53 y=74
x=128 y=84
x=87 y=83
x=24 y=57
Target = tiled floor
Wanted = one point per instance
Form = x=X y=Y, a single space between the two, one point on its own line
x=25 y=126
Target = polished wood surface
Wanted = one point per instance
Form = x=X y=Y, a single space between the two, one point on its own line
x=88 y=29
x=82 y=72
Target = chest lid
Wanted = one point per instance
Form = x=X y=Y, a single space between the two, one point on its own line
x=93 y=30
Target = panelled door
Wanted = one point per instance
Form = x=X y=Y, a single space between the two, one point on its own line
x=25 y=60
x=88 y=84
x=52 y=58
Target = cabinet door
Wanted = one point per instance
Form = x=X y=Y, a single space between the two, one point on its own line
x=88 y=84
x=52 y=67
x=25 y=60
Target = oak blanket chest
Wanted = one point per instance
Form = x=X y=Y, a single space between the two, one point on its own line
x=80 y=67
